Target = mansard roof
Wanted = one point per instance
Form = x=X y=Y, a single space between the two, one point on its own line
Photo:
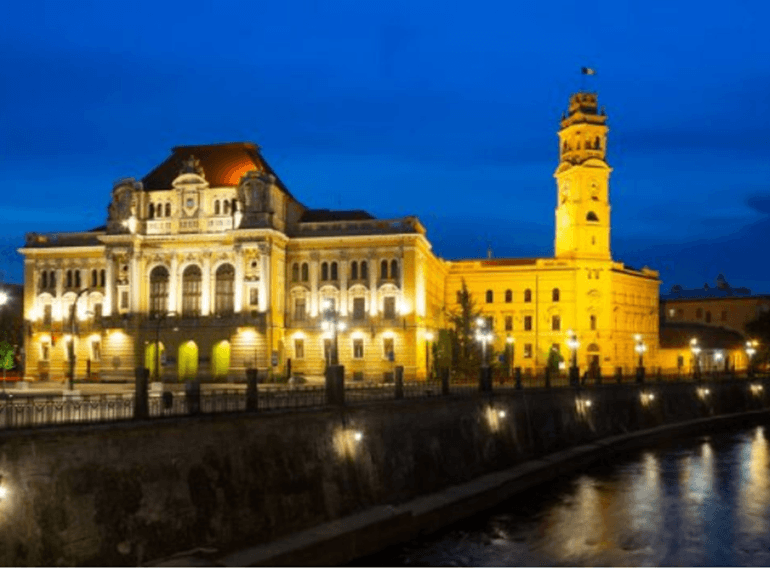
x=223 y=164
x=324 y=215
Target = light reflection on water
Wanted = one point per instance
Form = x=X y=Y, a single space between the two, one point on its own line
x=702 y=501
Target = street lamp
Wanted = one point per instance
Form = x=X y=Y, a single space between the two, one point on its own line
x=3 y=301
x=573 y=344
x=696 y=358
x=750 y=352
x=331 y=323
x=73 y=310
x=717 y=360
x=640 y=348
x=428 y=340
x=483 y=335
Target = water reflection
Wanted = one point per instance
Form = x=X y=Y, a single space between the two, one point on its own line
x=700 y=502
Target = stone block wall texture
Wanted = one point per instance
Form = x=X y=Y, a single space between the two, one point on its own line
x=128 y=493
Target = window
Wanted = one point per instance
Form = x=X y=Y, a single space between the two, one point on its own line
x=101 y=278
x=253 y=296
x=724 y=315
x=509 y=323
x=97 y=311
x=354 y=270
x=45 y=351
x=299 y=348
x=394 y=269
x=151 y=213
x=52 y=280
x=508 y=296
x=44 y=280
x=191 y=291
x=592 y=217
x=358 y=348
x=159 y=210
x=708 y=316
x=679 y=313
x=389 y=307
x=527 y=295
x=225 y=207
x=96 y=350
x=555 y=323
x=527 y=350
x=359 y=308
x=47 y=311
x=555 y=295
x=299 y=309
x=490 y=296
x=384 y=269
x=216 y=207
x=593 y=322
x=69 y=347
x=671 y=312
x=334 y=271
x=490 y=323
x=304 y=272
x=234 y=205
x=387 y=348
x=295 y=273
x=124 y=299
x=699 y=313
x=324 y=271
x=168 y=209
x=159 y=290
x=69 y=278
x=77 y=278
x=364 y=270
x=224 y=302
x=528 y=323
x=94 y=278
x=679 y=361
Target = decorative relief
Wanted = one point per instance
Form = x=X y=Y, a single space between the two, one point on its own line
x=191 y=165
x=265 y=248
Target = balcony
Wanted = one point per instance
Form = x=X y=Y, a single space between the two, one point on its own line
x=408 y=224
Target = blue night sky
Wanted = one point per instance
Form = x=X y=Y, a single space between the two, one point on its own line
x=447 y=111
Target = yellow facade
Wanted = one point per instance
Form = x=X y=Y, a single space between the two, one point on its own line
x=212 y=257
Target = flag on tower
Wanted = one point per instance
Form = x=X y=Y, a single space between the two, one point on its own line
x=588 y=71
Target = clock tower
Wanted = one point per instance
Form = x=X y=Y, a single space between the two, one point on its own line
x=582 y=180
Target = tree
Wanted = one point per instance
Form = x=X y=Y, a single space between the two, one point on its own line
x=465 y=353
x=6 y=356
x=759 y=329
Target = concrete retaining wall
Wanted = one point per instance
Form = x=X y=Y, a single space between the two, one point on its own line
x=125 y=494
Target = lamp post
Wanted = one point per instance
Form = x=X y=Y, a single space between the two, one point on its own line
x=696 y=357
x=717 y=360
x=510 y=343
x=72 y=338
x=750 y=352
x=640 y=348
x=3 y=301
x=428 y=340
x=574 y=371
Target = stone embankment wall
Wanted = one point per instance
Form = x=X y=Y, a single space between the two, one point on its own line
x=125 y=494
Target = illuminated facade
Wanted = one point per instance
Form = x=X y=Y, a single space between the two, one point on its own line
x=211 y=256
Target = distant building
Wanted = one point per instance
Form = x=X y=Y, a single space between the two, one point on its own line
x=214 y=257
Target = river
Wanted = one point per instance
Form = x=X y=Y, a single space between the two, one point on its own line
x=695 y=502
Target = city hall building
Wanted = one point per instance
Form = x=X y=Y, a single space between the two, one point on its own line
x=209 y=265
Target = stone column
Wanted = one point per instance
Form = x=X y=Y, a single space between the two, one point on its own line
x=57 y=302
x=173 y=285
x=265 y=279
x=343 y=276
x=109 y=286
x=206 y=304
x=314 y=303
x=134 y=283
x=373 y=271
x=238 y=293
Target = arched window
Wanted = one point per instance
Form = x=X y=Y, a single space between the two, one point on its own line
x=508 y=296
x=93 y=278
x=191 y=291
x=324 y=271
x=234 y=205
x=699 y=313
x=555 y=295
x=353 y=270
x=159 y=210
x=151 y=213
x=592 y=217
x=527 y=295
x=295 y=272
x=77 y=278
x=225 y=289
x=597 y=144
x=168 y=209
x=69 y=278
x=364 y=270
x=304 y=272
x=394 y=269
x=159 y=291
x=225 y=207
x=555 y=323
x=334 y=271
x=44 y=280
x=593 y=322
x=708 y=316
x=216 y=207
x=101 y=278
x=52 y=280
x=490 y=296
x=384 y=269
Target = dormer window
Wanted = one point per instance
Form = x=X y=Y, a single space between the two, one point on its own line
x=592 y=217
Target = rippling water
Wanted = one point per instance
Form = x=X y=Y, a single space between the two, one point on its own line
x=703 y=501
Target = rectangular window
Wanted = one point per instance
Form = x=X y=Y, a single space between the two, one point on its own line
x=124 y=299
x=387 y=348
x=358 y=348
x=724 y=315
x=555 y=323
x=47 y=312
x=671 y=312
x=96 y=350
x=359 y=307
x=45 y=351
x=509 y=323
x=389 y=308
x=299 y=309
x=679 y=361
x=527 y=350
x=97 y=311
x=299 y=348
x=254 y=297
x=528 y=323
